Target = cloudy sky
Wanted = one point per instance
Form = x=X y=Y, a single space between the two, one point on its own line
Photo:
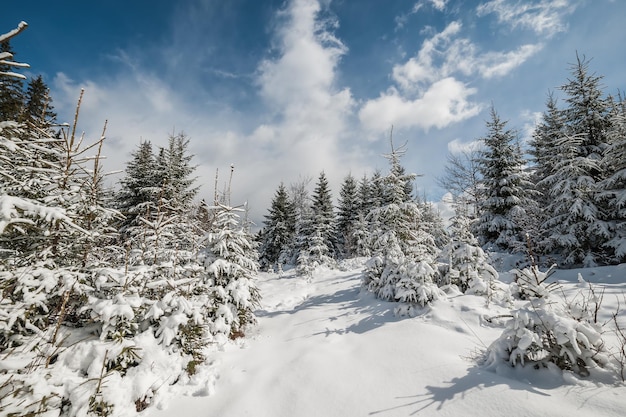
x=286 y=89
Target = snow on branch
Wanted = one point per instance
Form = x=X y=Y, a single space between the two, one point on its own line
x=5 y=57
x=20 y=27
x=12 y=210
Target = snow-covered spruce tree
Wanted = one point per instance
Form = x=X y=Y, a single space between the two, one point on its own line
x=51 y=219
x=141 y=184
x=278 y=233
x=402 y=267
x=324 y=214
x=316 y=238
x=38 y=108
x=613 y=188
x=507 y=189
x=377 y=192
x=467 y=264
x=432 y=223
x=231 y=263
x=347 y=217
x=547 y=329
x=544 y=141
x=157 y=199
x=575 y=213
x=361 y=231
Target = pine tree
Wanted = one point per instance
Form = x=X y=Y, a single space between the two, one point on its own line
x=38 y=109
x=613 y=188
x=316 y=234
x=232 y=265
x=348 y=214
x=467 y=264
x=507 y=188
x=324 y=214
x=576 y=222
x=543 y=144
x=178 y=181
x=402 y=267
x=139 y=185
x=278 y=233
x=544 y=141
x=377 y=193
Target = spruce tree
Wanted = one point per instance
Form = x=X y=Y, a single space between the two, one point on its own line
x=178 y=181
x=231 y=263
x=324 y=217
x=613 y=188
x=507 y=188
x=279 y=231
x=578 y=229
x=402 y=267
x=467 y=265
x=543 y=146
x=38 y=109
x=316 y=238
x=140 y=185
x=347 y=217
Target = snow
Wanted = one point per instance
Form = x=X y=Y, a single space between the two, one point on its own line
x=324 y=347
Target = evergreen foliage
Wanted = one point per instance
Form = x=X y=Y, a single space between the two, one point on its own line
x=467 y=264
x=576 y=215
x=11 y=83
x=549 y=330
x=506 y=187
x=278 y=235
x=613 y=188
x=402 y=267
x=348 y=216
x=317 y=237
x=231 y=263
x=38 y=108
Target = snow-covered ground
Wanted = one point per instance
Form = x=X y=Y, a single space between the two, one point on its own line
x=323 y=347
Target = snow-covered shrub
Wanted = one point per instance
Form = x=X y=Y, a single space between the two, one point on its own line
x=468 y=268
x=531 y=283
x=548 y=329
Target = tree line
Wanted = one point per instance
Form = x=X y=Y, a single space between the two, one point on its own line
x=562 y=194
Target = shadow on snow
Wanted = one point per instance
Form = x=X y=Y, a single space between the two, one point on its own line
x=476 y=378
x=353 y=301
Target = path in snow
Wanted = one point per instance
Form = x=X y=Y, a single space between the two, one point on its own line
x=323 y=348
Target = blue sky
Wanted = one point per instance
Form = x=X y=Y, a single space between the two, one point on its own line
x=286 y=89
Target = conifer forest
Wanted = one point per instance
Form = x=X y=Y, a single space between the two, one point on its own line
x=110 y=282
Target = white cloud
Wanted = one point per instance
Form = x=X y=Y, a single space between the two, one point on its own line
x=458 y=146
x=429 y=92
x=445 y=54
x=446 y=101
x=439 y=4
x=303 y=131
x=544 y=17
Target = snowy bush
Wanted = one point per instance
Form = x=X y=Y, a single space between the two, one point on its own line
x=403 y=280
x=468 y=268
x=550 y=330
